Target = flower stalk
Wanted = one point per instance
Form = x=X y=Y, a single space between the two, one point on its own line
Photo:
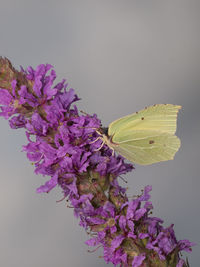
x=63 y=145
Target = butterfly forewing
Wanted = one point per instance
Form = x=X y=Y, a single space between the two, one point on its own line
x=160 y=117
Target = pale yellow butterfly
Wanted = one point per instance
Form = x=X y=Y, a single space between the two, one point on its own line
x=145 y=137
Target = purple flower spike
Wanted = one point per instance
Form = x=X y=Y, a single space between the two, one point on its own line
x=62 y=144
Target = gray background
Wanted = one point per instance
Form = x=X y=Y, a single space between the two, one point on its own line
x=120 y=56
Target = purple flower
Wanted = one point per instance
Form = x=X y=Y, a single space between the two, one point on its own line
x=117 y=242
x=181 y=262
x=49 y=185
x=65 y=99
x=26 y=98
x=17 y=122
x=37 y=125
x=138 y=260
x=42 y=83
x=185 y=245
x=5 y=97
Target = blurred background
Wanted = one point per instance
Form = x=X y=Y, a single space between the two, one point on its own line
x=120 y=56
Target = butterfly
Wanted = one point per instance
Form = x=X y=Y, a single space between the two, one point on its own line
x=144 y=137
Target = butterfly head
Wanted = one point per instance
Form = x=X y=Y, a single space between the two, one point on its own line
x=104 y=130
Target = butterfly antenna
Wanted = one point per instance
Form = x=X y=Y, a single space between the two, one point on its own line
x=81 y=127
x=113 y=151
x=95 y=140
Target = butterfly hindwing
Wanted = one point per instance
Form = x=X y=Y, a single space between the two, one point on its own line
x=151 y=149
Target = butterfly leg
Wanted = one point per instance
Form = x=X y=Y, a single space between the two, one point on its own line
x=100 y=146
x=96 y=140
x=113 y=151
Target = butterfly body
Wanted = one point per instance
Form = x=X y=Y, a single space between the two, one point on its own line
x=145 y=137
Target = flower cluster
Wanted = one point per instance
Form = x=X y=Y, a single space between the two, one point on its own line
x=63 y=144
x=126 y=232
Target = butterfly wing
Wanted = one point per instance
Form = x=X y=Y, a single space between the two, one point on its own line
x=150 y=149
x=147 y=136
x=161 y=116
